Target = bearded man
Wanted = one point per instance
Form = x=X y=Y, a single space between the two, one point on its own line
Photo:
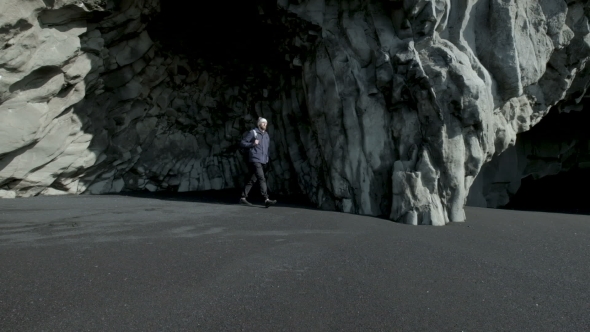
x=257 y=142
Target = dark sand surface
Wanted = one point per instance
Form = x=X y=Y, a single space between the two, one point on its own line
x=159 y=263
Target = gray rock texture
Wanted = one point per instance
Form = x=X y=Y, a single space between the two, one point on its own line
x=386 y=108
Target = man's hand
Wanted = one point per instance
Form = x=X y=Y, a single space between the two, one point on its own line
x=256 y=142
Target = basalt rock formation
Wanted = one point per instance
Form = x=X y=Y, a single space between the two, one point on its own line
x=387 y=108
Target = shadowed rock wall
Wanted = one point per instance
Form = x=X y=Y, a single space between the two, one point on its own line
x=386 y=108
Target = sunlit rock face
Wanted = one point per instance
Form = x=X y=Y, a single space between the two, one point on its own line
x=386 y=108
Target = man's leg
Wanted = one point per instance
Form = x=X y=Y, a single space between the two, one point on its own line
x=263 y=188
x=251 y=179
x=259 y=173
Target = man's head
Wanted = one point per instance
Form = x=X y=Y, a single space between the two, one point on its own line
x=262 y=123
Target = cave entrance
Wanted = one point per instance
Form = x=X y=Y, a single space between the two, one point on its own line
x=244 y=49
x=234 y=36
x=567 y=191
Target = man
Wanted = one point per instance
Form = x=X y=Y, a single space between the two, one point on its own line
x=257 y=141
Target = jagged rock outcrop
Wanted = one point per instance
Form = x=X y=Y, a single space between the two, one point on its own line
x=386 y=108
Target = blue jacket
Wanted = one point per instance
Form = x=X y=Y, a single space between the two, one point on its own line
x=258 y=153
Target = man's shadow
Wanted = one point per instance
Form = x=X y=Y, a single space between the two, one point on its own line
x=225 y=197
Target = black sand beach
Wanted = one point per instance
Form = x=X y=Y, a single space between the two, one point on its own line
x=121 y=263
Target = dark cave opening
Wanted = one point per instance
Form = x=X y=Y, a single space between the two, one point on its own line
x=242 y=44
x=564 y=192
x=238 y=37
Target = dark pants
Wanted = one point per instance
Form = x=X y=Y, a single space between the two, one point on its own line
x=255 y=174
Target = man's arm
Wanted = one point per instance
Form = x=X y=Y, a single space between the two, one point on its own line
x=268 y=149
x=247 y=141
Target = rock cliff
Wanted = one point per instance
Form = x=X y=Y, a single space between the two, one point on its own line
x=386 y=108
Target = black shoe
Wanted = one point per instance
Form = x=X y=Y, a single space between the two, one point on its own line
x=244 y=201
x=269 y=202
